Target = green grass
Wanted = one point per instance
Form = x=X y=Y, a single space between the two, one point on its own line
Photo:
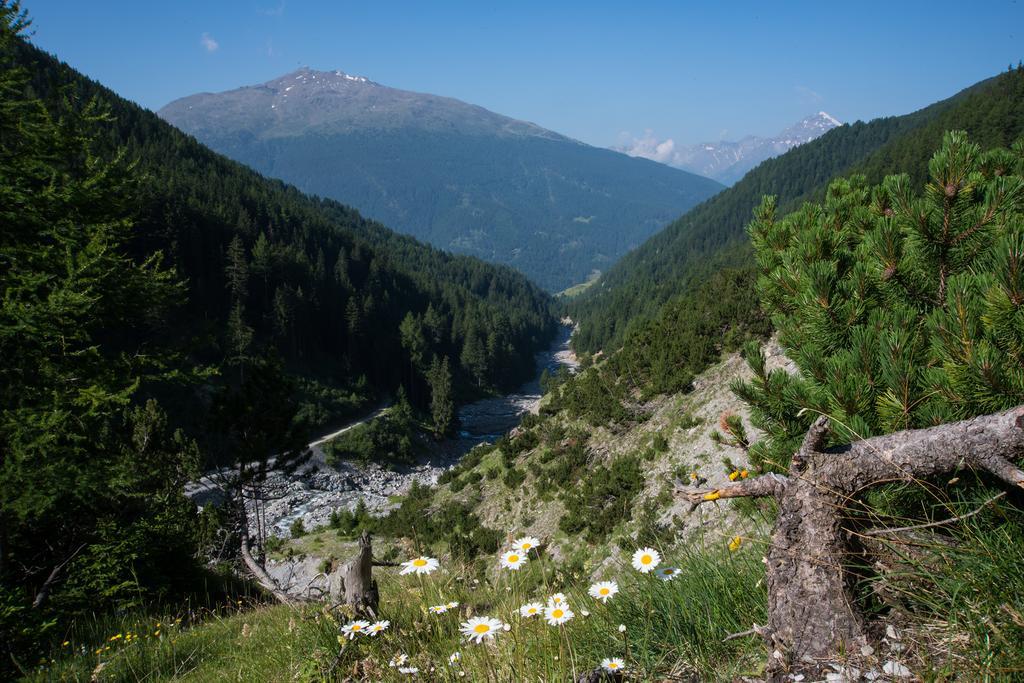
x=580 y=287
x=670 y=627
x=958 y=602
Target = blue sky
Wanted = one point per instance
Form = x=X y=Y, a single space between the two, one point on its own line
x=599 y=72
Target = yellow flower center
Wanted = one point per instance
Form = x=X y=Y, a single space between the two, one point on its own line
x=513 y=558
x=419 y=562
x=613 y=665
x=557 y=614
x=646 y=559
x=668 y=572
x=605 y=591
x=481 y=628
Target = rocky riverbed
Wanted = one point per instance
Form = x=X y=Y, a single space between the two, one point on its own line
x=315 y=490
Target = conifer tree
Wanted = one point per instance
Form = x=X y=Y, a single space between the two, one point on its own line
x=904 y=313
x=442 y=406
x=91 y=483
x=901 y=310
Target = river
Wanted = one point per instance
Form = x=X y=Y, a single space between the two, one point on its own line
x=487 y=419
x=316 y=490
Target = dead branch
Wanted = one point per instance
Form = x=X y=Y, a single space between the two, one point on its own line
x=44 y=590
x=755 y=631
x=759 y=487
x=930 y=525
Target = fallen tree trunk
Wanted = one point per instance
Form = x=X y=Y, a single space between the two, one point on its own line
x=812 y=613
x=258 y=571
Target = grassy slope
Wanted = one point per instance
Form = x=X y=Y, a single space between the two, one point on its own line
x=685 y=421
x=957 y=595
x=670 y=628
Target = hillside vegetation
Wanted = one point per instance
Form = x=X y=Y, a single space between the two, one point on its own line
x=455 y=175
x=711 y=236
x=164 y=309
x=604 y=471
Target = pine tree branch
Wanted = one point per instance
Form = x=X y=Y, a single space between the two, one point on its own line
x=813 y=442
x=981 y=443
x=759 y=487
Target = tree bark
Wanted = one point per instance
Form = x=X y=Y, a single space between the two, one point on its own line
x=812 y=613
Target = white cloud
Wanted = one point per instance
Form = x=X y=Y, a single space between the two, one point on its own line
x=649 y=147
x=806 y=95
x=207 y=41
x=272 y=11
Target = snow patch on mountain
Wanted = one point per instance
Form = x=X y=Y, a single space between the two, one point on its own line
x=728 y=161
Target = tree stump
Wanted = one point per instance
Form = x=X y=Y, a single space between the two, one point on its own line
x=352 y=584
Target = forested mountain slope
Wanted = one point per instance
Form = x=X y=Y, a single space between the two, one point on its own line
x=324 y=286
x=164 y=309
x=456 y=175
x=712 y=235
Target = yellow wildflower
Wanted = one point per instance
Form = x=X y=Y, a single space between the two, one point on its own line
x=734 y=475
x=744 y=474
x=714 y=495
x=734 y=544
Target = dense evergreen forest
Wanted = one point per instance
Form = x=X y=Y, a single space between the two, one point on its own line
x=267 y=267
x=711 y=236
x=163 y=309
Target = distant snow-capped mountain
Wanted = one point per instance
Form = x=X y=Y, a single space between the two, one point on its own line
x=727 y=161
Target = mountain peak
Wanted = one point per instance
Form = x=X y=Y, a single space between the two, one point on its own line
x=325 y=79
x=727 y=161
x=828 y=117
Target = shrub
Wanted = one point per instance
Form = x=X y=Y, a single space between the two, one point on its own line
x=513 y=478
x=603 y=499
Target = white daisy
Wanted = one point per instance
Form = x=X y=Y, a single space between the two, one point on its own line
x=604 y=590
x=526 y=543
x=556 y=599
x=645 y=560
x=452 y=605
x=420 y=565
x=666 y=573
x=438 y=609
x=378 y=627
x=556 y=615
x=622 y=628
x=531 y=609
x=454 y=658
x=410 y=670
x=478 y=628
x=398 y=660
x=355 y=628
x=513 y=560
x=613 y=664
